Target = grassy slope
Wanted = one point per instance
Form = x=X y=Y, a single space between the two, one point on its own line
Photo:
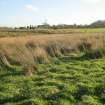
x=65 y=81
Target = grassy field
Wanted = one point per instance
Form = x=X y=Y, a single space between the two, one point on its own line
x=55 y=69
x=25 y=32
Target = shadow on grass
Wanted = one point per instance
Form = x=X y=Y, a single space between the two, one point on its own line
x=11 y=100
x=83 y=57
x=9 y=71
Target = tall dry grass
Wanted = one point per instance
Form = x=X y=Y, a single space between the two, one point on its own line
x=29 y=50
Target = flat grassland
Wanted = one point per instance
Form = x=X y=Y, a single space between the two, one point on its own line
x=25 y=32
x=53 y=69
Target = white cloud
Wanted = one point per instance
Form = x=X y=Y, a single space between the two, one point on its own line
x=92 y=1
x=31 y=8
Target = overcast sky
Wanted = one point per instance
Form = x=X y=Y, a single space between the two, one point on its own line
x=26 y=12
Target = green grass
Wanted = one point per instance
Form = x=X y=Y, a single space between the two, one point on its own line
x=25 y=32
x=96 y=30
x=62 y=82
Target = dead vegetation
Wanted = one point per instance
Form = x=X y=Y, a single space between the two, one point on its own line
x=3 y=61
x=30 y=50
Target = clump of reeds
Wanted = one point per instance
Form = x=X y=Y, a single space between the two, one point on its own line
x=30 y=50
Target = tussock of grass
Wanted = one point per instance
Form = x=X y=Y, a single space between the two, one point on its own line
x=41 y=56
x=3 y=61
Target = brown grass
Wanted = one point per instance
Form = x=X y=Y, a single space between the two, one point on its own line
x=28 y=50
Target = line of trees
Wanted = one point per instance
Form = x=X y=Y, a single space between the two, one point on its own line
x=96 y=24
